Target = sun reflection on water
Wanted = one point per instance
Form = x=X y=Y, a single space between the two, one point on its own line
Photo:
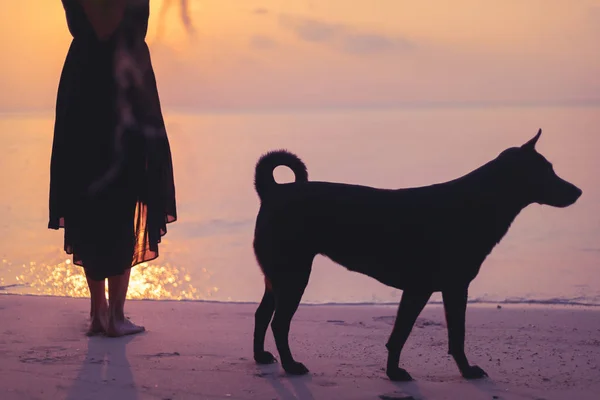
x=148 y=281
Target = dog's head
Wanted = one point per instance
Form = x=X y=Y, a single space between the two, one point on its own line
x=535 y=178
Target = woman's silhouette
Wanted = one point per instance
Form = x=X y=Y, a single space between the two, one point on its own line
x=111 y=179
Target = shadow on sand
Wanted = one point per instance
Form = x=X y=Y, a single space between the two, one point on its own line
x=105 y=372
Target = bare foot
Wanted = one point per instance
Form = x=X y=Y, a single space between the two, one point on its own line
x=117 y=328
x=97 y=326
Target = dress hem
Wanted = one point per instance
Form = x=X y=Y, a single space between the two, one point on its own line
x=57 y=227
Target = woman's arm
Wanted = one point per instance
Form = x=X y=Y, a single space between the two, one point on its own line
x=104 y=15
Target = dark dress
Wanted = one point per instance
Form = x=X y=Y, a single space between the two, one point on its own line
x=111 y=174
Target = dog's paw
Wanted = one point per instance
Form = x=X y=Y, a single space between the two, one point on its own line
x=473 y=372
x=295 y=368
x=398 y=375
x=264 y=357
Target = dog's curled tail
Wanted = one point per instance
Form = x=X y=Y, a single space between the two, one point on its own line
x=263 y=177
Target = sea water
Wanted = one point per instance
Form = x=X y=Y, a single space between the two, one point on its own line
x=548 y=256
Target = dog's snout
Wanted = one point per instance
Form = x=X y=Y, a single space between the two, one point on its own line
x=578 y=193
x=564 y=194
x=573 y=194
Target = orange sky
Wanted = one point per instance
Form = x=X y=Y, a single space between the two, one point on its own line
x=307 y=53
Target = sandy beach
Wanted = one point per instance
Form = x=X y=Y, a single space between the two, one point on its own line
x=198 y=350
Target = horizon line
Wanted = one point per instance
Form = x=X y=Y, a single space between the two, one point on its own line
x=191 y=109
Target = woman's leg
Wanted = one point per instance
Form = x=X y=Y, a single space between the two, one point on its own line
x=99 y=306
x=118 y=325
x=90 y=282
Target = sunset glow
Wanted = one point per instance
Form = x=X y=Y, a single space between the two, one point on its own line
x=248 y=54
x=148 y=281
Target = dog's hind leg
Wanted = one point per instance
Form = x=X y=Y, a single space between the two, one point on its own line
x=455 y=306
x=262 y=318
x=288 y=293
x=411 y=305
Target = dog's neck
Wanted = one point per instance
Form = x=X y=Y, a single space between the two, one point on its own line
x=492 y=199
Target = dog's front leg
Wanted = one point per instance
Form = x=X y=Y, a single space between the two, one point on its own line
x=455 y=306
x=411 y=305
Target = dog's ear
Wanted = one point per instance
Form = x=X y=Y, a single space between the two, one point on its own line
x=531 y=144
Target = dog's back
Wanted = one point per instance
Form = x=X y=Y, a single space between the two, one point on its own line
x=401 y=237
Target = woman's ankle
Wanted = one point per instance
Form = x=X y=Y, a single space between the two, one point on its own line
x=99 y=310
x=117 y=315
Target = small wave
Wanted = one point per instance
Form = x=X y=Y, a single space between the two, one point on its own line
x=195 y=297
x=575 y=301
x=14 y=285
x=511 y=301
x=166 y=282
